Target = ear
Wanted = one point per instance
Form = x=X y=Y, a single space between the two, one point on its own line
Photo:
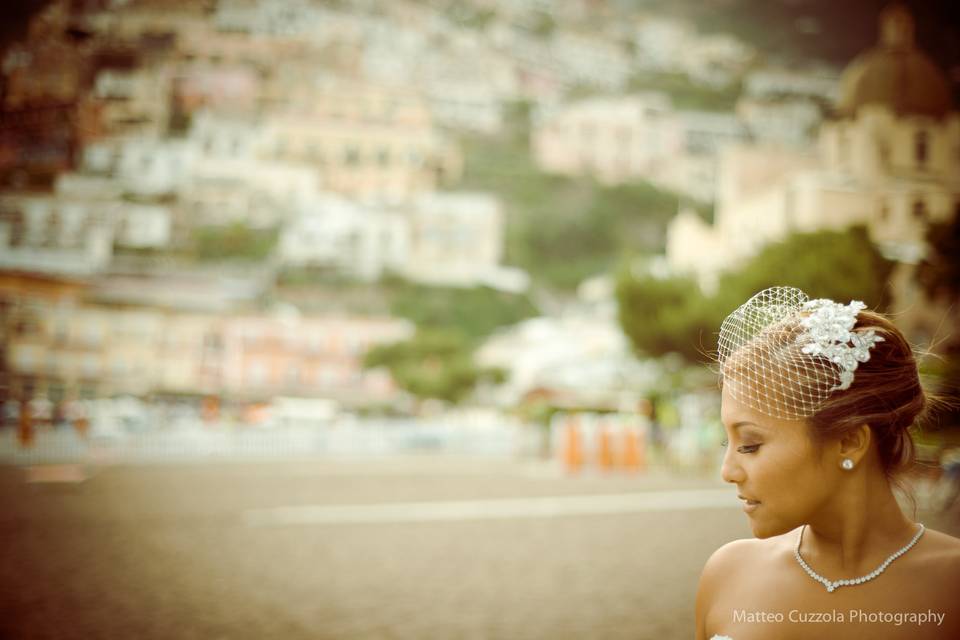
x=855 y=443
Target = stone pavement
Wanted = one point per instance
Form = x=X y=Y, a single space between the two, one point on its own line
x=417 y=547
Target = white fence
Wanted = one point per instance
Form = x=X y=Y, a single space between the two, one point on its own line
x=353 y=440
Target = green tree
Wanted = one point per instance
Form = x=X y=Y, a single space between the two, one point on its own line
x=841 y=265
x=939 y=272
x=469 y=16
x=475 y=312
x=661 y=315
x=433 y=364
x=564 y=229
x=234 y=242
x=939 y=275
x=438 y=361
x=686 y=94
x=542 y=24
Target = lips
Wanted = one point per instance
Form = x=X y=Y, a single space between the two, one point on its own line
x=749 y=502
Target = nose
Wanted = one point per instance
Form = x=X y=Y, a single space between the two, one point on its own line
x=730 y=469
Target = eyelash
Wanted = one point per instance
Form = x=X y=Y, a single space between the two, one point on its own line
x=747 y=448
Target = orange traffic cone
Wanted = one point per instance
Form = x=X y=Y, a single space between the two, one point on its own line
x=25 y=432
x=82 y=426
x=605 y=448
x=572 y=452
x=634 y=451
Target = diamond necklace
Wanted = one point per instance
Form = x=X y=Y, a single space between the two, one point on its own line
x=831 y=586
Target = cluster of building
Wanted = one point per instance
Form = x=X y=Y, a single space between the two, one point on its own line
x=636 y=137
x=888 y=159
x=182 y=339
x=128 y=127
x=167 y=121
x=642 y=135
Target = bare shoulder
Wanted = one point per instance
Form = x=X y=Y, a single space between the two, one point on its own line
x=735 y=558
x=942 y=542
x=733 y=561
x=942 y=550
x=935 y=566
x=722 y=564
x=734 y=555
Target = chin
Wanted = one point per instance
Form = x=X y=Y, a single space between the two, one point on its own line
x=763 y=530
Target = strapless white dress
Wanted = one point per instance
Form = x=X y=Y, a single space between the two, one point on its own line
x=716 y=637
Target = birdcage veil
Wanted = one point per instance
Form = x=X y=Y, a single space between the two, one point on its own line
x=783 y=354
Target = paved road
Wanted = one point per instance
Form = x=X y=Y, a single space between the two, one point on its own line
x=405 y=548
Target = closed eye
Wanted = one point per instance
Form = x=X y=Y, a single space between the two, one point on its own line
x=747 y=448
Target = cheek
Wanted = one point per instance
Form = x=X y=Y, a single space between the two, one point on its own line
x=790 y=493
x=789 y=479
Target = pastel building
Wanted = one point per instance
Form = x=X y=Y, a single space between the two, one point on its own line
x=791 y=122
x=619 y=139
x=613 y=139
x=887 y=159
x=28 y=301
x=364 y=142
x=444 y=238
x=266 y=356
x=46 y=234
x=231 y=88
x=457 y=239
x=63 y=339
x=356 y=240
x=134 y=101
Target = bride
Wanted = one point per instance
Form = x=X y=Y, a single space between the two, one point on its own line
x=817 y=399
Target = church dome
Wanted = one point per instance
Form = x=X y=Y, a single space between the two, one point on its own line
x=895 y=73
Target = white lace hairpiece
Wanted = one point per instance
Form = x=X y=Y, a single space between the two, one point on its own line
x=783 y=354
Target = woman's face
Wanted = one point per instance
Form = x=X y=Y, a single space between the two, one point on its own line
x=776 y=468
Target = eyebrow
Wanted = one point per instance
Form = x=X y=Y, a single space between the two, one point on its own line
x=743 y=423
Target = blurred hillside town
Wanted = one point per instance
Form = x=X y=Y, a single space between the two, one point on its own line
x=259 y=214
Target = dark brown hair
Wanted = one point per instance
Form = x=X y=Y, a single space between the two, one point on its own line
x=886 y=395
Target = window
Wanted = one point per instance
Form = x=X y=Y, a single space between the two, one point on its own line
x=919 y=210
x=841 y=148
x=921 y=147
x=884 y=152
x=415 y=158
x=59 y=328
x=351 y=156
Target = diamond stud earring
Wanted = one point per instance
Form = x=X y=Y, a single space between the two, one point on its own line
x=847 y=464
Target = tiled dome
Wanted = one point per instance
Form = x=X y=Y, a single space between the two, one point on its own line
x=895 y=73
